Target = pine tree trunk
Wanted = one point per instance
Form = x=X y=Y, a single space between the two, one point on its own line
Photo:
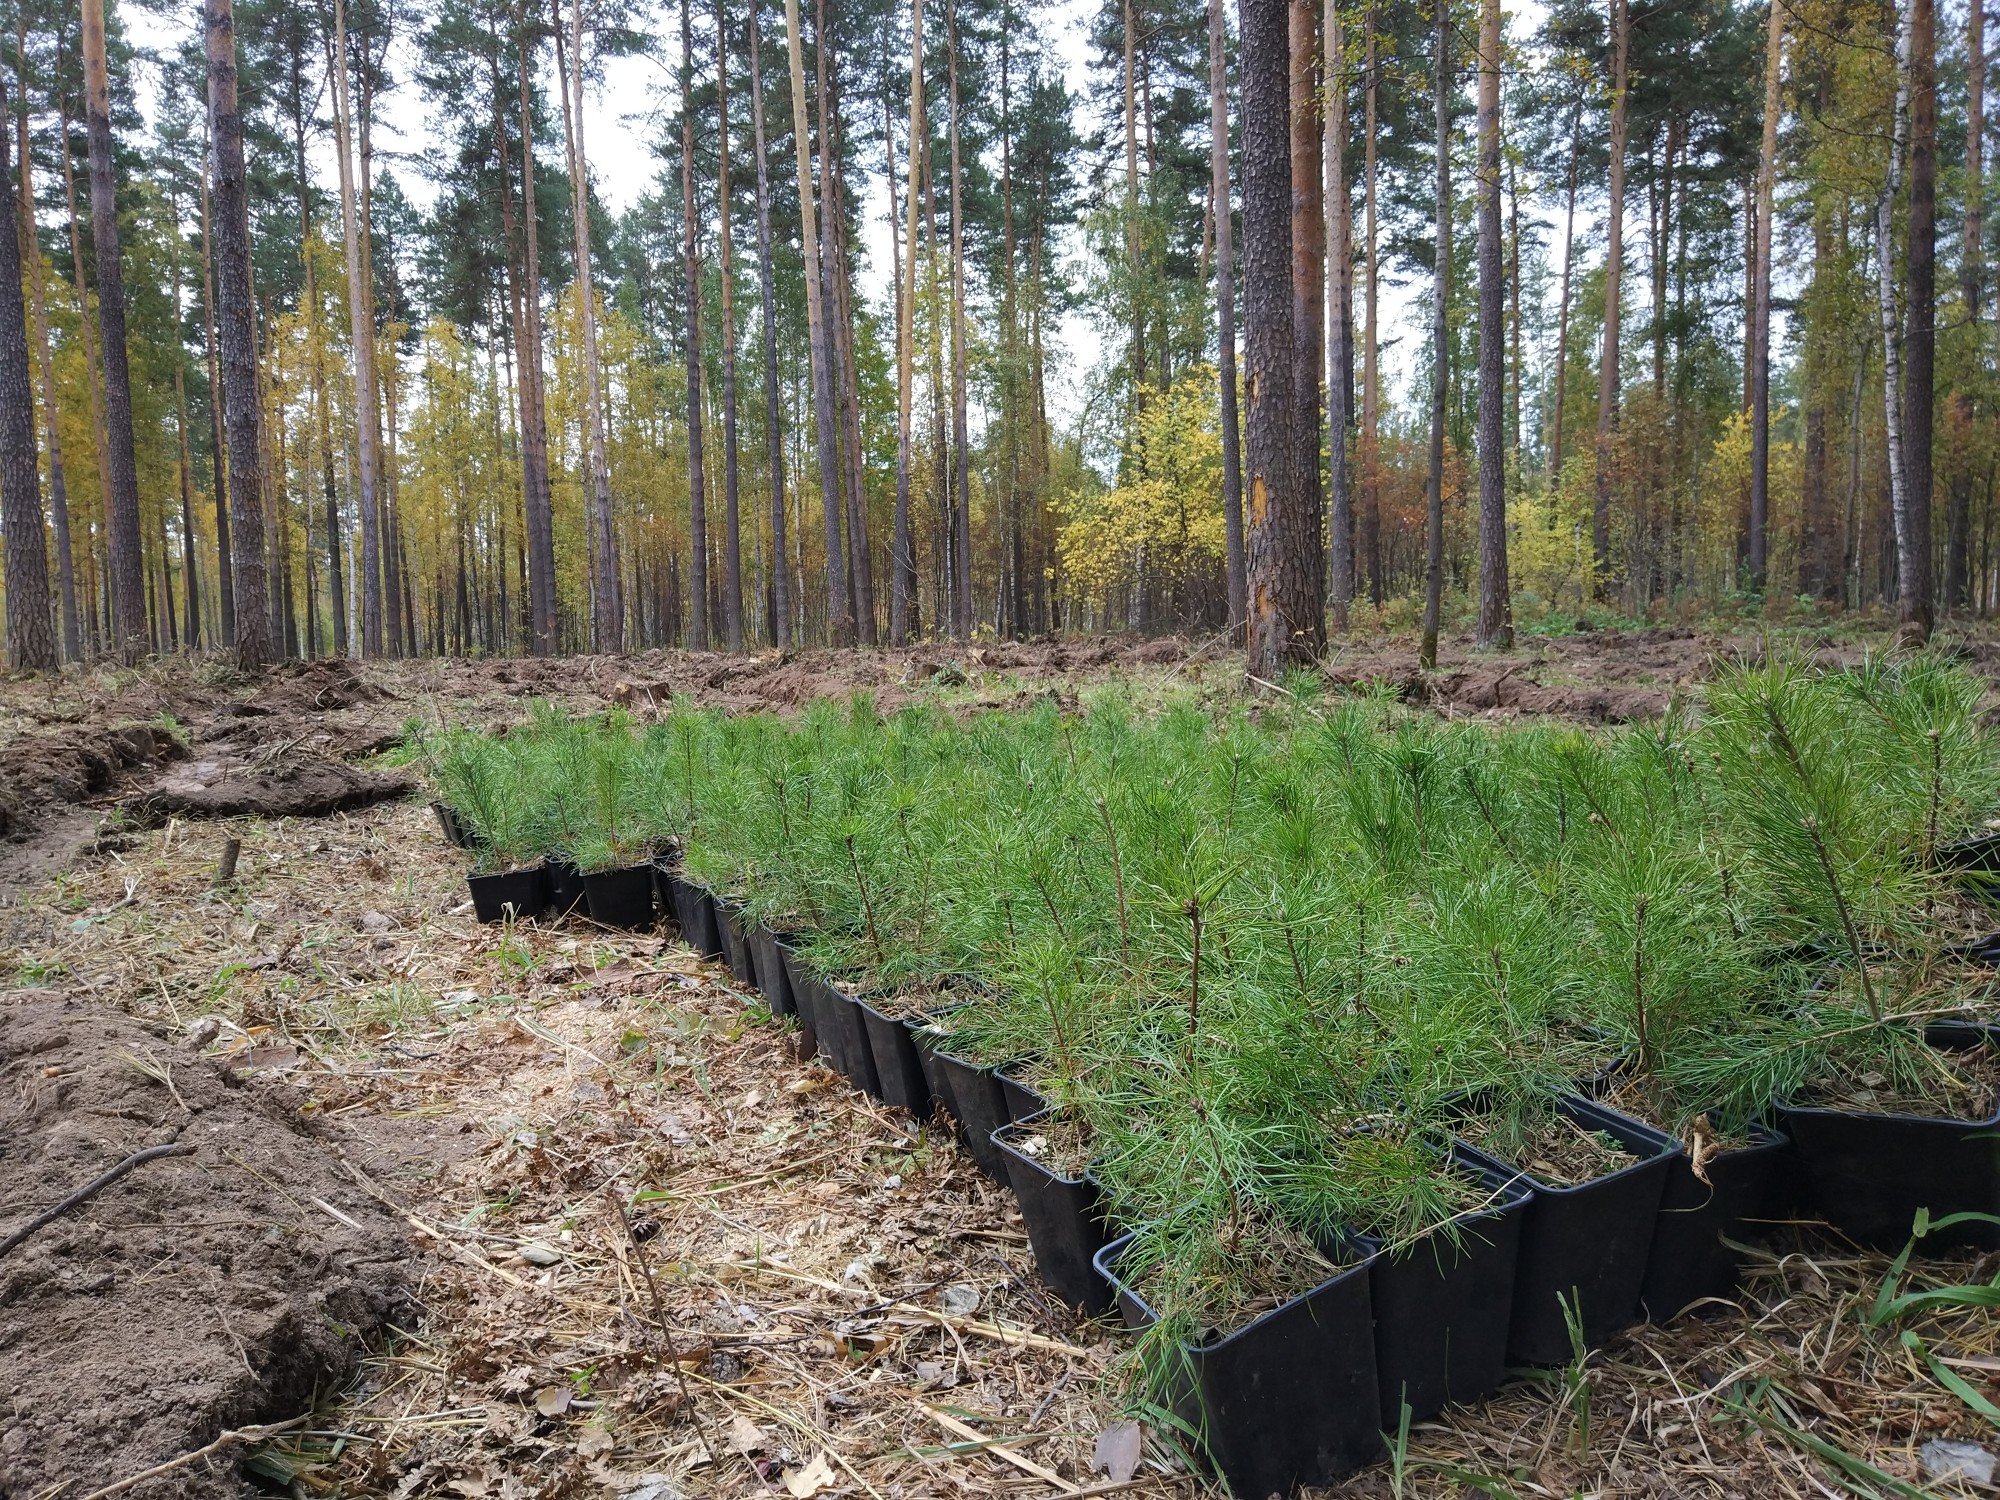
x=97 y=618
x=1370 y=524
x=1427 y=651
x=31 y=642
x=839 y=615
x=1308 y=276
x=1894 y=434
x=1340 y=320
x=241 y=398
x=903 y=547
x=1284 y=624
x=1225 y=310
x=1496 y=625
x=225 y=572
x=1134 y=258
x=732 y=517
x=1915 y=604
x=834 y=265
x=190 y=567
x=389 y=528
x=1614 y=277
x=1560 y=364
x=1760 y=306
x=961 y=450
x=1817 y=530
x=544 y=631
x=72 y=627
x=691 y=271
x=316 y=374
x=607 y=615
x=124 y=546
x=1958 y=521
x=191 y=614
x=774 y=440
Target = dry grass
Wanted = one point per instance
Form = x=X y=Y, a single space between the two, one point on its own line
x=792 y=1303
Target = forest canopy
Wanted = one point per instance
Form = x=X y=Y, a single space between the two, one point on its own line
x=983 y=316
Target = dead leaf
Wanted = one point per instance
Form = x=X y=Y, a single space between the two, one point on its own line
x=745 y=1436
x=1117 y=1453
x=809 y=1481
x=553 y=1400
x=596 y=1438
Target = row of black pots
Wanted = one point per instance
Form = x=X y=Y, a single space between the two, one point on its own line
x=1302 y=1393
x=1865 y=1173
x=896 y=1059
x=621 y=897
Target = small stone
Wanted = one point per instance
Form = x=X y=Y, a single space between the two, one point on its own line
x=376 y=921
x=961 y=1299
x=1941 y=1458
x=537 y=1253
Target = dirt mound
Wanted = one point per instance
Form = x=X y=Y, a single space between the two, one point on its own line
x=300 y=784
x=197 y=1294
x=1598 y=677
x=71 y=765
x=312 y=687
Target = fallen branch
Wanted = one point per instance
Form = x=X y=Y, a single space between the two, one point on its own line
x=90 y=1190
x=227 y=1440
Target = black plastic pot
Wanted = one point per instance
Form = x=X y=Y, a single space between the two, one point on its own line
x=1688 y=1260
x=1868 y=1174
x=516 y=893
x=455 y=831
x=1023 y=1098
x=1443 y=1305
x=772 y=979
x=1979 y=854
x=1984 y=951
x=1065 y=1226
x=1587 y=1244
x=936 y=1077
x=1288 y=1399
x=731 y=930
x=620 y=898
x=692 y=910
x=979 y=1107
x=899 y=1072
x=802 y=1000
x=565 y=886
x=837 y=1022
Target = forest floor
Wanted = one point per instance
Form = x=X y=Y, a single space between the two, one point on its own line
x=400 y=1232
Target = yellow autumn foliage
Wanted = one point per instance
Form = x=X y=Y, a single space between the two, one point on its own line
x=1164 y=521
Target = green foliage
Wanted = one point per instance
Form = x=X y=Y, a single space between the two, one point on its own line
x=1264 y=964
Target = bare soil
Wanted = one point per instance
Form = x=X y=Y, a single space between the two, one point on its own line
x=197 y=1294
